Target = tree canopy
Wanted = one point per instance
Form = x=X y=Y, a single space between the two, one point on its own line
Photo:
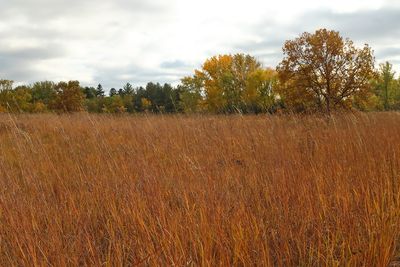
x=320 y=71
x=324 y=71
x=232 y=83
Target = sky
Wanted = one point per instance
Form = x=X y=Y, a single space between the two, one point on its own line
x=113 y=42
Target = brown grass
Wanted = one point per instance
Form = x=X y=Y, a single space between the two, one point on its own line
x=210 y=191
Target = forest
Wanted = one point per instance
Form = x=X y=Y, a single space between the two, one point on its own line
x=320 y=72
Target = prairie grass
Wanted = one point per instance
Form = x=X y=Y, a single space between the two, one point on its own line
x=94 y=190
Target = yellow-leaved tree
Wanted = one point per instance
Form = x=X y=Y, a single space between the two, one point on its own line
x=232 y=83
x=69 y=97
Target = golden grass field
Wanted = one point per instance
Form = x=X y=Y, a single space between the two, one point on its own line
x=94 y=190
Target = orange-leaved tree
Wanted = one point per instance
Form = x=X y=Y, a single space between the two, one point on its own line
x=323 y=71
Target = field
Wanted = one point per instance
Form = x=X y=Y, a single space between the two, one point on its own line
x=199 y=190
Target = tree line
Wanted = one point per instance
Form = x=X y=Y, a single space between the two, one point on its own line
x=320 y=72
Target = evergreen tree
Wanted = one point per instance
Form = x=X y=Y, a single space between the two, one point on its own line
x=99 y=91
x=113 y=92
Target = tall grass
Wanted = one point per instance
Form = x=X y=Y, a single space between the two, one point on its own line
x=210 y=191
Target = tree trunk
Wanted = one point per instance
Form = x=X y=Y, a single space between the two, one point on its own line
x=328 y=105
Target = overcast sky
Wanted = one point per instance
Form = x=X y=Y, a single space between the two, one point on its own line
x=117 y=41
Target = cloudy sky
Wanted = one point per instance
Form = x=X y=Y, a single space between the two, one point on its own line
x=117 y=41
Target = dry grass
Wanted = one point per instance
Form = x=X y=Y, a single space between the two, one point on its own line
x=121 y=191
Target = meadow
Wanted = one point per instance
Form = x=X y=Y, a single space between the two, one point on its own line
x=146 y=190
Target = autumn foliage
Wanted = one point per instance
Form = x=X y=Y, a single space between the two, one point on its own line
x=320 y=72
x=234 y=83
x=323 y=71
x=79 y=190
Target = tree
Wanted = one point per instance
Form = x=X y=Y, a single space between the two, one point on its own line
x=99 y=91
x=226 y=82
x=89 y=92
x=43 y=92
x=367 y=102
x=15 y=100
x=69 y=97
x=162 y=98
x=386 y=84
x=94 y=105
x=324 y=71
x=171 y=98
x=129 y=103
x=259 y=95
x=140 y=94
x=128 y=89
x=397 y=94
x=146 y=104
x=113 y=104
x=6 y=87
x=113 y=92
x=21 y=99
x=191 y=99
x=154 y=93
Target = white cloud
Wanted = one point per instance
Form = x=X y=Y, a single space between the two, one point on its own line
x=117 y=41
